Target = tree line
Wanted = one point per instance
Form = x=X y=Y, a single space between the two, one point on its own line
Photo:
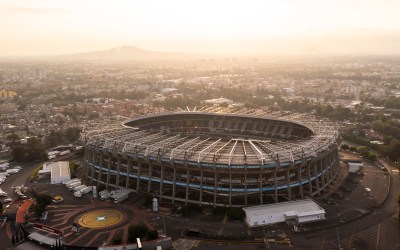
x=34 y=150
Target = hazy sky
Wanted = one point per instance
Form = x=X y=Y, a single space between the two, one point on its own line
x=48 y=27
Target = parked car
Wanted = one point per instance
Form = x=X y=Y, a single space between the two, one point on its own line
x=6 y=200
x=57 y=199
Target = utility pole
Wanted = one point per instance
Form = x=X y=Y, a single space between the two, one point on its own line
x=338 y=239
x=165 y=229
x=351 y=238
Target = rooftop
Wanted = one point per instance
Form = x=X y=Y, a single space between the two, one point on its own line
x=224 y=136
x=290 y=207
x=58 y=169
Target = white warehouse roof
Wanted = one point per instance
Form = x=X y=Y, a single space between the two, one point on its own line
x=120 y=192
x=59 y=171
x=302 y=211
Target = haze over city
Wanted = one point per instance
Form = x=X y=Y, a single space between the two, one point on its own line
x=272 y=27
x=198 y=125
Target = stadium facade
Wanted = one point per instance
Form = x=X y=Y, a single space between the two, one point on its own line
x=216 y=156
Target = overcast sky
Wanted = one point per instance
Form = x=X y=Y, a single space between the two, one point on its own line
x=49 y=27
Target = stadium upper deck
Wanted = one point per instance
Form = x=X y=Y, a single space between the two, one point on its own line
x=227 y=137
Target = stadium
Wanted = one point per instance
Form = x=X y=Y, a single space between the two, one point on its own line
x=215 y=156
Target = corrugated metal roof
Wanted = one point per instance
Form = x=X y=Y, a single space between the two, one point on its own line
x=300 y=207
x=48 y=240
x=30 y=245
x=58 y=169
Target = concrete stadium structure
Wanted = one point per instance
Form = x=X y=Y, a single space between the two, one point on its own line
x=215 y=156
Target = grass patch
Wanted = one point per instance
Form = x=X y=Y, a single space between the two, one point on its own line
x=236 y=214
x=34 y=174
x=72 y=169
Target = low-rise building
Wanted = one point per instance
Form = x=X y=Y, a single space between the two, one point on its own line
x=294 y=212
x=59 y=171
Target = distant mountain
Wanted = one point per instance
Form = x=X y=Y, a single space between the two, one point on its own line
x=126 y=53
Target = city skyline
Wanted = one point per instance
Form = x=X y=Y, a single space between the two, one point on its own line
x=44 y=27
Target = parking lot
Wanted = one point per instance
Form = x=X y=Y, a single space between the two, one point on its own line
x=59 y=189
x=361 y=208
x=365 y=189
x=18 y=176
x=360 y=193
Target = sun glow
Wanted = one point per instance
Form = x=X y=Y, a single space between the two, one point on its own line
x=48 y=26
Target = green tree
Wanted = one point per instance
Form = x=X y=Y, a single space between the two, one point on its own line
x=137 y=231
x=42 y=201
x=187 y=209
x=236 y=214
x=101 y=187
x=344 y=146
x=117 y=240
x=371 y=156
x=363 y=151
x=55 y=138
x=175 y=102
x=12 y=137
x=22 y=103
x=32 y=151
x=152 y=235
x=68 y=135
x=72 y=134
x=148 y=200
x=392 y=151
x=93 y=116
x=72 y=169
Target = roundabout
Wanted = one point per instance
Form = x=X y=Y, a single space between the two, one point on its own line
x=92 y=224
x=100 y=219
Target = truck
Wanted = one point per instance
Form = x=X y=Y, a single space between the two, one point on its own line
x=66 y=182
x=5 y=174
x=87 y=190
x=74 y=185
x=78 y=188
x=65 y=152
x=2 y=193
x=4 y=166
x=77 y=194
x=11 y=171
x=82 y=188
x=104 y=195
x=70 y=181
x=120 y=195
